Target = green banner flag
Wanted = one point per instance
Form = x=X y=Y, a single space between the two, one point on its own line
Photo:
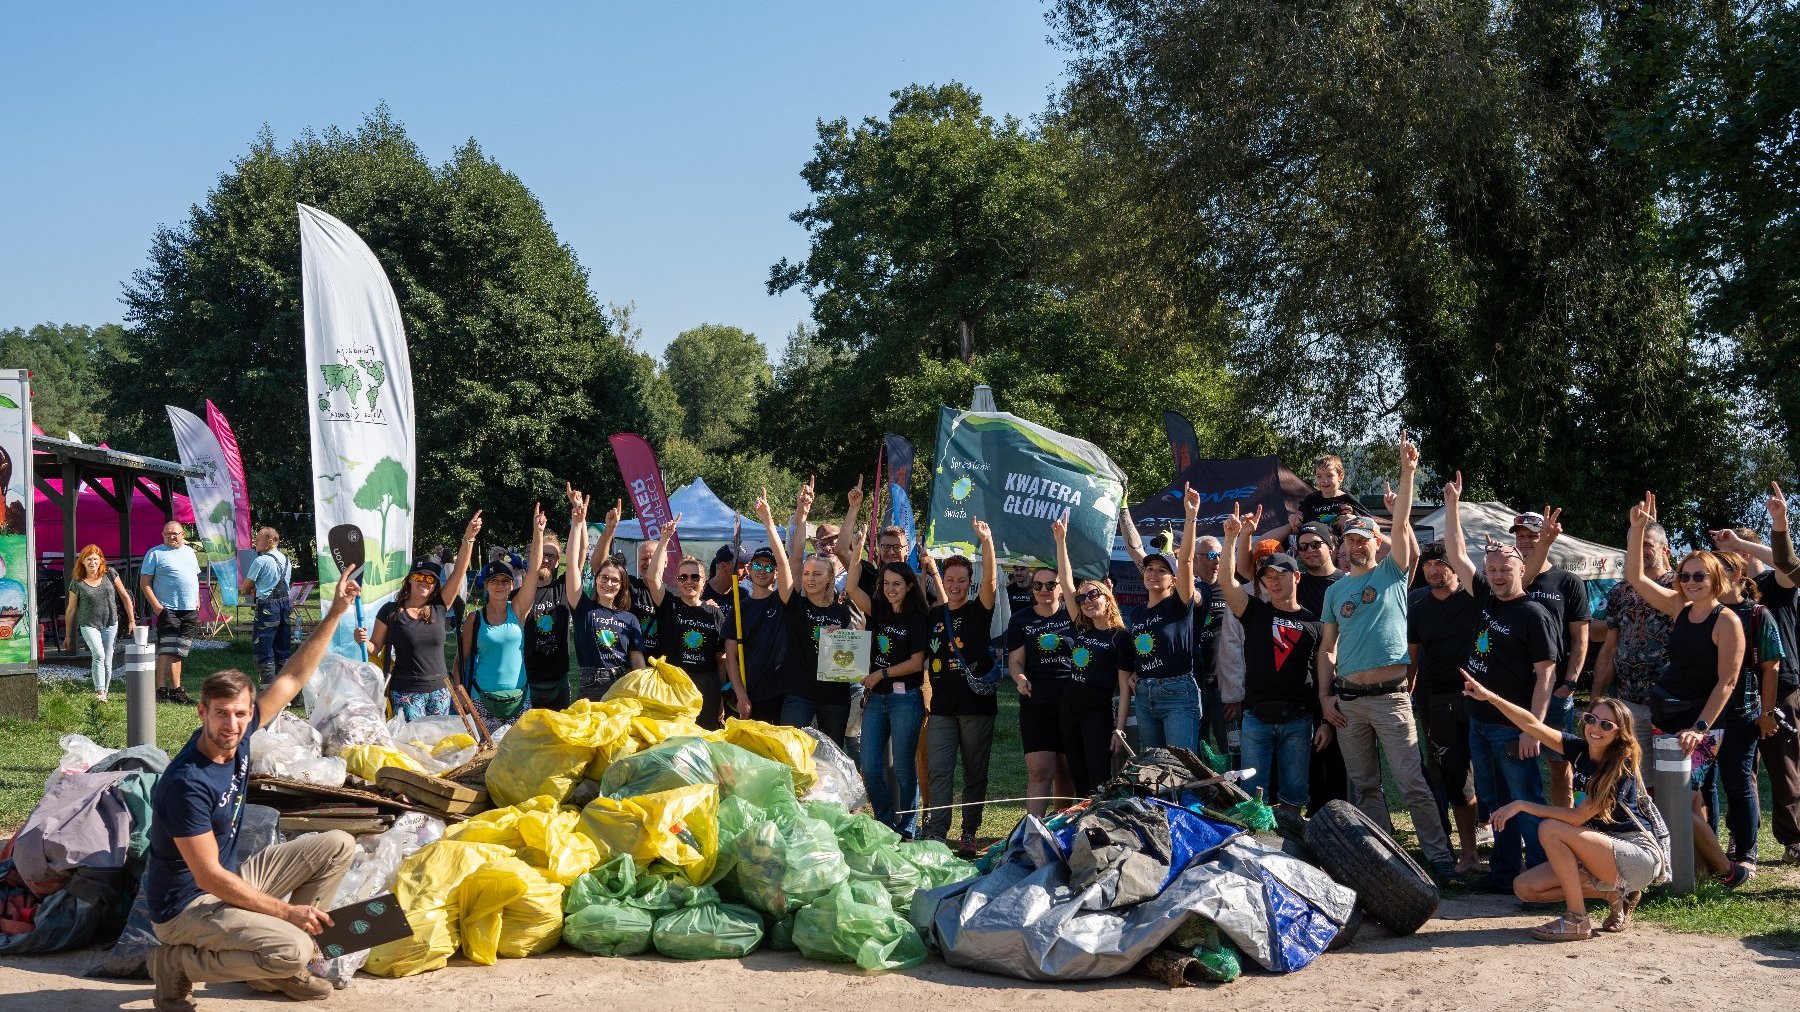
x=1018 y=477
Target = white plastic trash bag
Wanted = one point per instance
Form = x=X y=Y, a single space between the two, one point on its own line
x=343 y=702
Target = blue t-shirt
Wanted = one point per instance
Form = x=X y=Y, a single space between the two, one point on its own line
x=1370 y=612
x=499 y=653
x=269 y=570
x=194 y=796
x=174 y=576
x=605 y=637
x=1162 y=639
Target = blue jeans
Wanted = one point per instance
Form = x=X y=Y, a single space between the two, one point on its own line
x=1735 y=769
x=272 y=636
x=1168 y=712
x=798 y=711
x=1501 y=779
x=1288 y=745
x=895 y=718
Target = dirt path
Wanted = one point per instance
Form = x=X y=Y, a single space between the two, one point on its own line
x=1473 y=957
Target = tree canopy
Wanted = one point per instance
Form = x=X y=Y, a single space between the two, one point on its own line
x=68 y=392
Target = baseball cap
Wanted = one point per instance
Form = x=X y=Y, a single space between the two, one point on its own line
x=733 y=554
x=496 y=568
x=1361 y=527
x=1324 y=531
x=1279 y=560
x=428 y=566
x=763 y=552
x=1157 y=556
x=1531 y=521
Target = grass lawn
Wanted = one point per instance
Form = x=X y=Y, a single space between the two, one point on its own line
x=1765 y=910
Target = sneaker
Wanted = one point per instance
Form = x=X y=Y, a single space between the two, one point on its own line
x=1791 y=855
x=1736 y=875
x=174 y=992
x=1444 y=872
x=179 y=695
x=162 y=694
x=301 y=986
x=965 y=848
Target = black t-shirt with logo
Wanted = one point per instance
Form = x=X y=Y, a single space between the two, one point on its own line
x=692 y=636
x=1443 y=631
x=1325 y=509
x=1018 y=598
x=605 y=637
x=957 y=637
x=1096 y=657
x=1046 y=641
x=800 y=662
x=547 y=633
x=1280 y=648
x=1209 y=618
x=1163 y=639
x=1510 y=638
x=765 y=642
x=1564 y=596
x=1781 y=604
x=896 y=639
x=646 y=616
x=1312 y=590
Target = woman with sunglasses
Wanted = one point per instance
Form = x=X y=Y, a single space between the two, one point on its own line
x=416 y=625
x=1600 y=849
x=1735 y=764
x=893 y=692
x=1706 y=660
x=1039 y=649
x=813 y=610
x=1092 y=726
x=692 y=629
x=608 y=639
x=963 y=707
x=1165 y=696
x=493 y=637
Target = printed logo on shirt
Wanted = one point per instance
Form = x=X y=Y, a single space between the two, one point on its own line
x=1081 y=658
x=545 y=623
x=1286 y=636
x=1368 y=595
x=1482 y=643
x=883 y=643
x=1145 y=644
x=606 y=638
x=1048 y=642
x=1347 y=609
x=692 y=639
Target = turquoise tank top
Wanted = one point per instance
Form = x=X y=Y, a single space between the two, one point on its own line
x=499 y=654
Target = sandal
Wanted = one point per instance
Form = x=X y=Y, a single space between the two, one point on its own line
x=1618 y=918
x=1570 y=927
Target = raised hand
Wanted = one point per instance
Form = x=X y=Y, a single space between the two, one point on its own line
x=668 y=530
x=1553 y=527
x=1453 y=490
x=1777 y=506
x=1409 y=455
x=1190 y=501
x=1644 y=513
x=612 y=515
x=538 y=520
x=473 y=529
x=855 y=496
x=803 y=502
x=1253 y=523
x=1234 y=524
x=983 y=532
x=1059 y=528
x=1474 y=689
x=761 y=506
x=577 y=500
x=1387 y=496
x=346 y=591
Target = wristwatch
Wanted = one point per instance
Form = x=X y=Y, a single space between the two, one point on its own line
x=1700 y=726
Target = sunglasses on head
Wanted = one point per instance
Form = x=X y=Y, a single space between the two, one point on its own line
x=688 y=577
x=1090 y=595
x=762 y=567
x=1040 y=585
x=1601 y=722
x=1503 y=550
x=1700 y=577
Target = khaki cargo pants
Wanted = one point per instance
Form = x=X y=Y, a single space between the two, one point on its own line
x=214 y=941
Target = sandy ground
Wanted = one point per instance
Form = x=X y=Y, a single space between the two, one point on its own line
x=1474 y=957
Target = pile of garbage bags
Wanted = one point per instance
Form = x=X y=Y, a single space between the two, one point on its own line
x=627 y=828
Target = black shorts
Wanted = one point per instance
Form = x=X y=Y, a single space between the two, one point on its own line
x=175 y=631
x=1040 y=718
x=1447 y=759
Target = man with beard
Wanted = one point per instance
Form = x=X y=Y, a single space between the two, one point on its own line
x=1363 y=660
x=216 y=921
x=1564 y=596
x=1440 y=623
x=1316 y=548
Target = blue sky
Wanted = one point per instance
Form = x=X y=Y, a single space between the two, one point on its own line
x=664 y=141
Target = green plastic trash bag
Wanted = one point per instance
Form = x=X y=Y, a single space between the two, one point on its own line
x=886 y=867
x=785 y=863
x=763 y=782
x=937 y=865
x=856 y=923
x=609 y=928
x=615 y=880
x=735 y=816
x=781 y=933
x=678 y=762
x=708 y=931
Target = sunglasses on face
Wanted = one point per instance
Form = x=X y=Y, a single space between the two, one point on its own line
x=1212 y=556
x=688 y=577
x=1601 y=722
x=1312 y=546
x=762 y=567
x=422 y=578
x=1041 y=587
x=1092 y=595
x=1692 y=577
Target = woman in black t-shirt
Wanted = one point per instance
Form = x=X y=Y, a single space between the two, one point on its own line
x=1600 y=849
x=811 y=609
x=1099 y=671
x=1039 y=643
x=415 y=624
x=893 y=700
x=609 y=640
x=1164 y=694
x=692 y=632
x=962 y=688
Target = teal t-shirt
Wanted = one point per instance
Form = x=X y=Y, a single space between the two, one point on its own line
x=499 y=654
x=1370 y=613
x=174 y=575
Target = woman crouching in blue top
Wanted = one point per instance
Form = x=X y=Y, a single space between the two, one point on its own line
x=495 y=640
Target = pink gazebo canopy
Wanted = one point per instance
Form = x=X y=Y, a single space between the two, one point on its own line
x=98 y=524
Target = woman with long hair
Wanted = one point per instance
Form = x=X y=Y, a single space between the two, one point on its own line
x=494 y=638
x=812 y=608
x=963 y=707
x=1736 y=760
x=96 y=597
x=1099 y=672
x=1600 y=849
x=1039 y=648
x=893 y=691
x=1164 y=693
x=692 y=629
x=1706 y=661
x=413 y=628
x=609 y=640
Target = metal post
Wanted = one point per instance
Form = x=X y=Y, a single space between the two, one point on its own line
x=140 y=688
x=1670 y=769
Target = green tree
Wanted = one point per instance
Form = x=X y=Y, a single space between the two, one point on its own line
x=385 y=489
x=518 y=374
x=717 y=372
x=68 y=388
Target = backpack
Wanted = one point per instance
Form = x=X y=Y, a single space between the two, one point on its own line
x=1649 y=821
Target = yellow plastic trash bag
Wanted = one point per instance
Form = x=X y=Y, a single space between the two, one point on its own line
x=679 y=828
x=615 y=740
x=554 y=845
x=427 y=886
x=367 y=761
x=546 y=752
x=789 y=746
x=453 y=743
x=508 y=908
x=662 y=689
x=650 y=732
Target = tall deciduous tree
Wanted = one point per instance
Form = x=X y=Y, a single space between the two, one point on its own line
x=68 y=388
x=517 y=376
x=717 y=373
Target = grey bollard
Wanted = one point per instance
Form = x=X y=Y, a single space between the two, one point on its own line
x=1670 y=768
x=140 y=689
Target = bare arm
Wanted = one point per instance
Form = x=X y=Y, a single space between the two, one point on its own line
x=201 y=855
x=784 y=576
x=578 y=542
x=853 y=581
x=305 y=661
x=1539 y=560
x=526 y=595
x=1787 y=565
x=611 y=532
x=1455 y=551
x=1604 y=664
x=990 y=566
x=653 y=579
x=1065 y=574
x=1134 y=542
x=851 y=515
x=156 y=606
x=1327 y=669
x=1235 y=597
x=1521 y=718
x=69 y=623
x=1184 y=571
x=453 y=584
x=1728 y=635
x=125 y=602
x=796 y=542
x=1663 y=599
x=1406 y=547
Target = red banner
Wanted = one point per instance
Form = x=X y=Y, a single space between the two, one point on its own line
x=644 y=482
x=234 y=468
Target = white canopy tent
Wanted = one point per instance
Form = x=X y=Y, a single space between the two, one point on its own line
x=1585 y=559
x=706 y=524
